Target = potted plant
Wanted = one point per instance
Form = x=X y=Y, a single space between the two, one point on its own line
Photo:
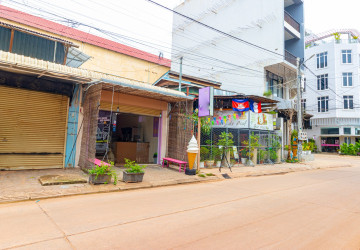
x=155 y=158
x=337 y=37
x=252 y=148
x=225 y=144
x=102 y=174
x=134 y=172
x=267 y=93
x=276 y=147
x=204 y=154
x=243 y=154
x=261 y=156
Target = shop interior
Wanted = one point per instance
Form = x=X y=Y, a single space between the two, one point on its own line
x=131 y=136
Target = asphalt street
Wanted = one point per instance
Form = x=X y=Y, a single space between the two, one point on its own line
x=317 y=209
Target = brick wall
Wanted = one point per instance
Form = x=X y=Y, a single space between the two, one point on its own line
x=180 y=130
x=91 y=104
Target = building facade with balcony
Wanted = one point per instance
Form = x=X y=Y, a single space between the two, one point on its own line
x=251 y=48
x=255 y=51
x=331 y=92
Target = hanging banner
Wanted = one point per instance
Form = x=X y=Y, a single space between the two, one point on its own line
x=230 y=119
x=261 y=121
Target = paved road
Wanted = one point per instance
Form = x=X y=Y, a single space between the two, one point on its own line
x=304 y=210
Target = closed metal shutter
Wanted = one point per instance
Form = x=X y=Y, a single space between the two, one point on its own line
x=130 y=109
x=32 y=129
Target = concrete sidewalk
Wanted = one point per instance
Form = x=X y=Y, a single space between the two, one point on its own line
x=24 y=185
x=322 y=161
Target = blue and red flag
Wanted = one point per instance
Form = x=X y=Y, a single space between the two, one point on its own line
x=240 y=105
x=255 y=107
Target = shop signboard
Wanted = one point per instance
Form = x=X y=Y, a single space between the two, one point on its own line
x=261 y=121
x=206 y=102
x=230 y=119
x=103 y=130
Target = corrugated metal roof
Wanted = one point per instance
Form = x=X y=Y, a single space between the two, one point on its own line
x=9 y=26
x=18 y=63
x=56 y=28
x=38 y=47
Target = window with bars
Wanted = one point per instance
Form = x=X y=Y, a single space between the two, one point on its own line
x=346 y=55
x=323 y=104
x=347 y=79
x=321 y=59
x=322 y=82
x=348 y=102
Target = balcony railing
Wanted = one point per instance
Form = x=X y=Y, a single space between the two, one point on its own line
x=290 y=57
x=290 y=20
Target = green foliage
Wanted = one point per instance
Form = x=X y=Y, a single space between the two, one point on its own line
x=313 y=145
x=201 y=175
x=355 y=37
x=267 y=93
x=204 y=153
x=132 y=167
x=226 y=141
x=350 y=149
x=205 y=125
x=204 y=122
x=155 y=155
x=309 y=146
x=262 y=154
x=337 y=36
x=103 y=169
x=294 y=133
x=273 y=154
x=292 y=161
x=210 y=174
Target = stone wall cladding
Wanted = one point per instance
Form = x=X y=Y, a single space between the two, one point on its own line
x=91 y=104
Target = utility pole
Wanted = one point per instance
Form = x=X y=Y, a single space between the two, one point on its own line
x=180 y=75
x=298 y=107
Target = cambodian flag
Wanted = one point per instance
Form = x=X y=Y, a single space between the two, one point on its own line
x=240 y=105
x=255 y=107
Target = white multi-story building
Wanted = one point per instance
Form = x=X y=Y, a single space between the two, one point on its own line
x=250 y=47
x=255 y=51
x=331 y=92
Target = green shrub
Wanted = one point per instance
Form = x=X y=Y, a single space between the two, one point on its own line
x=103 y=169
x=132 y=167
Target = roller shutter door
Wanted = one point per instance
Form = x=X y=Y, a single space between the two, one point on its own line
x=32 y=129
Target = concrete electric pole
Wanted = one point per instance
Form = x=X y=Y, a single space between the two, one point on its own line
x=298 y=107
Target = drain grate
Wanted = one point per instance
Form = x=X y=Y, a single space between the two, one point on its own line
x=226 y=176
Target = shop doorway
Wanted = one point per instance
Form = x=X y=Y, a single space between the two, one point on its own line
x=125 y=135
x=330 y=144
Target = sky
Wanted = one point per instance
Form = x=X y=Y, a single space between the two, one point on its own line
x=323 y=15
x=146 y=26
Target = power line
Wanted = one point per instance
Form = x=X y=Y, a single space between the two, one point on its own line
x=216 y=30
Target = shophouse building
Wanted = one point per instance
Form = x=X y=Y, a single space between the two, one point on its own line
x=66 y=94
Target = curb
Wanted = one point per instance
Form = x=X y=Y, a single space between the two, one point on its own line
x=115 y=189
